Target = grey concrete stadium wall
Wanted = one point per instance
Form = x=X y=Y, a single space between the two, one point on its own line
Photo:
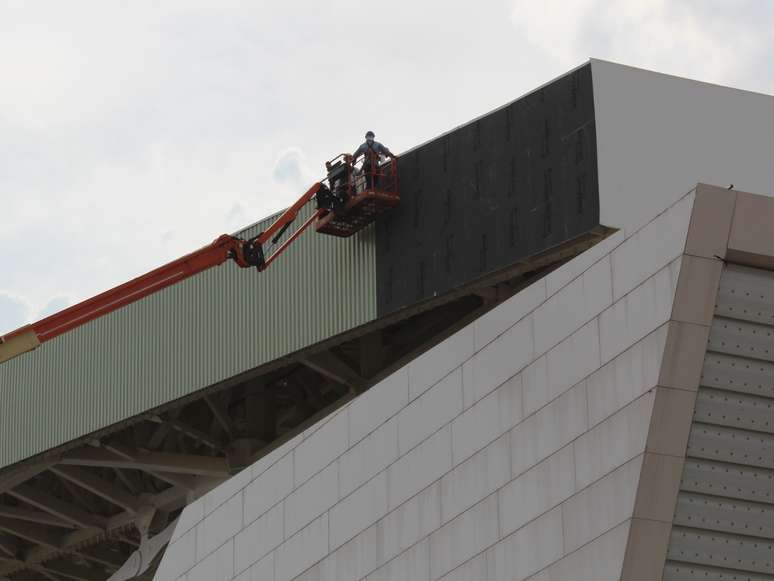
x=518 y=448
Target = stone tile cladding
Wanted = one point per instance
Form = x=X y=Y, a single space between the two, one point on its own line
x=512 y=450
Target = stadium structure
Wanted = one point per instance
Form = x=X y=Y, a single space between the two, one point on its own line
x=553 y=360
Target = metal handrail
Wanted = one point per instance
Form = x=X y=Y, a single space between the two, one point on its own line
x=367 y=174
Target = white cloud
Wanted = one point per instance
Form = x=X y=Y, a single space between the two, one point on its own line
x=14 y=312
x=17 y=311
x=291 y=167
x=53 y=306
x=673 y=36
x=65 y=68
x=236 y=217
x=121 y=219
x=133 y=132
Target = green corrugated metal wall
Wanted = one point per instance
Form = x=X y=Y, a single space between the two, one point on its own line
x=182 y=339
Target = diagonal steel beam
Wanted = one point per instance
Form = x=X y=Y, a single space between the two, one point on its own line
x=79 y=497
x=123 y=477
x=34 y=533
x=8 y=546
x=332 y=367
x=181 y=481
x=13 y=478
x=104 y=557
x=97 y=486
x=166 y=500
x=189 y=431
x=11 y=564
x=158 y=437
x=47 y=575
x=121 y=457
x=71 y=542
x=35 y=516
x=128 y=541
x=220 y=413
x=73 y=571
x=57 y=507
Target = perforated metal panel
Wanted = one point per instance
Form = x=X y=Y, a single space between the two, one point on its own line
x=729 y=551
x=689 y=572
x=720 y=513
x=724 y=521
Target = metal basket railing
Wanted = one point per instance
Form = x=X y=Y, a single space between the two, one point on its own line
x=368 y=174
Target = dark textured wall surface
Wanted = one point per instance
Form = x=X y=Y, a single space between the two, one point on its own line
x=480 y=198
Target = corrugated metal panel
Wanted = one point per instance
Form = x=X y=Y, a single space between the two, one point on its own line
x=724 y=521
x=180 y=340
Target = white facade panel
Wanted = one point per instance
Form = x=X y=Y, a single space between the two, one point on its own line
x=492 y=457
x=658 y=135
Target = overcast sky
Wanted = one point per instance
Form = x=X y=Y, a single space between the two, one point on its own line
x=134 y=132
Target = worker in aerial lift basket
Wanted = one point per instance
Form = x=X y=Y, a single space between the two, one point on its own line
x=372 y=150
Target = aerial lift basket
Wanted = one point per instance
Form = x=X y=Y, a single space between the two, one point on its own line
x=360 y=194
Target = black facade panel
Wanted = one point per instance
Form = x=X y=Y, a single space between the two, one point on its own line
x=495 y=191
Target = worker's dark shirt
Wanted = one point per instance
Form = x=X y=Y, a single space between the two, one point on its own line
x=376 y=147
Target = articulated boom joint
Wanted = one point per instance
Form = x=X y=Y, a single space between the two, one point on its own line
x=248 y=253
